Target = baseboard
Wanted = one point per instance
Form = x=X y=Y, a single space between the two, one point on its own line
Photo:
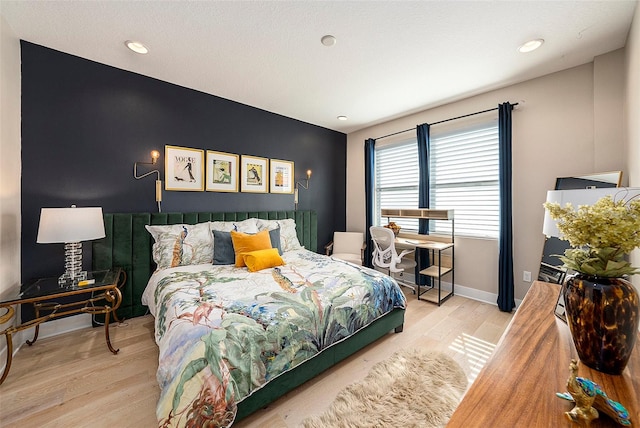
x=475 y=294
x=64 y=325
x=3 y=356
x=470 y=293
x=47 y=329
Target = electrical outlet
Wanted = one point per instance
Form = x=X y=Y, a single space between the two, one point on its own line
x=526 y=276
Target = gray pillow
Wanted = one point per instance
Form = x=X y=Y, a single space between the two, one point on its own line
x=223 y=252
x=274 y=235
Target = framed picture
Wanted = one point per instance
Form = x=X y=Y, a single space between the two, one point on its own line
x=281 y=176
x=254 y=174
x=183 y=168
x=222 y=171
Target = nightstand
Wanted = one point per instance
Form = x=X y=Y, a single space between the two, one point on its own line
x=101 y=296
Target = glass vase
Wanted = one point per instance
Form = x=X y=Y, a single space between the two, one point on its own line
x=602 y=314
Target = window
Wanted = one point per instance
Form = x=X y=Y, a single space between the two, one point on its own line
x=396 y=181
x=464 y=177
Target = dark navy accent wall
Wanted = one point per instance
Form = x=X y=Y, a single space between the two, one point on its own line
x=84 y=124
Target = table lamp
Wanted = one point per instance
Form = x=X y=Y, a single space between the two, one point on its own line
x=71 y=226
x=577 y=197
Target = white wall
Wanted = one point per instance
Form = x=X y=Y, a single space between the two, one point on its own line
x=608 y=123
x=10 y=166
x=554 y=135
x=632 y=110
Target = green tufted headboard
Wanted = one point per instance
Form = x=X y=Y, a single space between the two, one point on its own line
x=127 y=244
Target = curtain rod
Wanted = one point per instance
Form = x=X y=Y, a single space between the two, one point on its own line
x=443 y=121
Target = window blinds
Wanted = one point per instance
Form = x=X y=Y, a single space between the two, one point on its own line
x=464 y=177
x=397 y=181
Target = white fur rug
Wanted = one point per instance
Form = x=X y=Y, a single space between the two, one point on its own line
x=412 y=388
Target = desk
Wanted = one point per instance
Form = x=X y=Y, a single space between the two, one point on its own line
x=435 y=270
x=517 y=386
x=40 y=293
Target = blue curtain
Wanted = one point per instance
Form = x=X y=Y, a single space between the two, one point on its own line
x=506 y=299
x=369 y=183
x=422 y=132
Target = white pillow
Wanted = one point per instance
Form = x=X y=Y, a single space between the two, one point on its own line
x=181 y=244
x=288 y=236
x=246 y=226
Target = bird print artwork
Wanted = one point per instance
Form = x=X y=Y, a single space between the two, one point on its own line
x=254 y=174
x=178 y=247
x=284 y=282
x=590 y=398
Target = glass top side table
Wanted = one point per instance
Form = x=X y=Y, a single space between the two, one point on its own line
x=101 y=295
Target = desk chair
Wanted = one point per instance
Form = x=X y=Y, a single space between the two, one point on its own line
x=387 y=258
x=348 y=246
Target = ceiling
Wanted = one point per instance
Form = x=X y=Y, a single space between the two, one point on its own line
x=391 y=58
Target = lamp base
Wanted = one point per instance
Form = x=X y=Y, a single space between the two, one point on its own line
x=73 y=264
x=68 y=278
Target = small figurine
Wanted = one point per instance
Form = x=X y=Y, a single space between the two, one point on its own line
x=588 y=397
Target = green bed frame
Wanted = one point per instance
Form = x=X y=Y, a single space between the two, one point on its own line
x=127 y=245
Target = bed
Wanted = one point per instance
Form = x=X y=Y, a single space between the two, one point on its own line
x=231 y=341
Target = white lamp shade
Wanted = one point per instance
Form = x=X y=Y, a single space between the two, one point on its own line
x=577 y=197
x=70 y=225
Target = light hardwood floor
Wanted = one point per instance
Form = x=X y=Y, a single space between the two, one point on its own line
x=72 y=380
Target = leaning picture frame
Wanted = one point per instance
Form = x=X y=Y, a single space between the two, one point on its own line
x=183 y=168
x=281 y=176
x=222 y=171
x=559 y=310
x=254 y=174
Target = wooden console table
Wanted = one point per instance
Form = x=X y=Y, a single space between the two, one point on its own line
x=530 y=364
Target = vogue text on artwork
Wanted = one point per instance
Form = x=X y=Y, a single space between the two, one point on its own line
x=184 y=168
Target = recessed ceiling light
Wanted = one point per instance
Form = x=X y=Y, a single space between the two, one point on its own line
x=531 y=45
x=342 y=117
x=137 y=47
x=328 y=40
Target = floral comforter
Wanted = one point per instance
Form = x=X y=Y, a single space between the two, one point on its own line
x=223 y=332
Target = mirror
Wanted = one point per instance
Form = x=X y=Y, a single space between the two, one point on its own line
x=603 y=179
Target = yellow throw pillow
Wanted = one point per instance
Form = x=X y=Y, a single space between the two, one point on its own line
x=245 y=243
x=262 y=259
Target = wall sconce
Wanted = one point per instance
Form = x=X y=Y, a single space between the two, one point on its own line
x=70 y=226
x=154 y=158
x=304 y=185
